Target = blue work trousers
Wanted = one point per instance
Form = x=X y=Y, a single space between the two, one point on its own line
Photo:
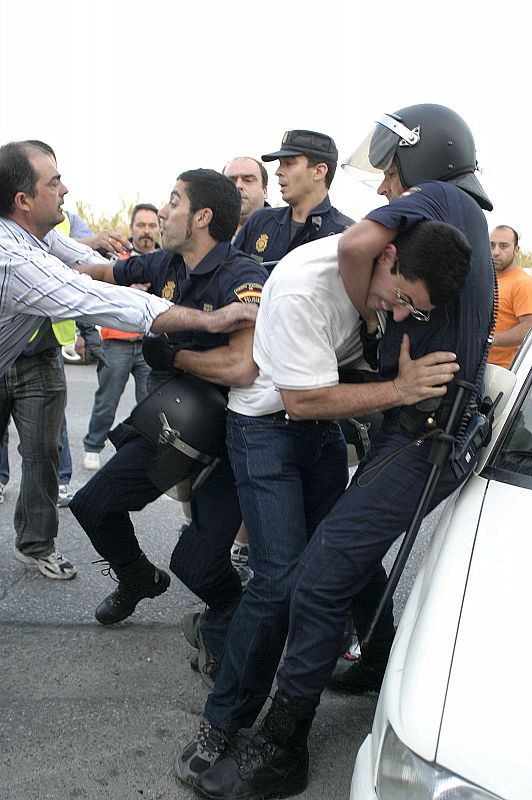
x=343 y=554
x=123 y=358
x=289 y=475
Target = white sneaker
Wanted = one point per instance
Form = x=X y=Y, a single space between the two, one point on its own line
x=91 y=461
x=2 y=489
x=64 y=496
x=239 y=560
x=54 y=566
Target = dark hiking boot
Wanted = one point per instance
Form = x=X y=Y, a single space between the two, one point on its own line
x=136 y=581
x=273 y=764
x=206 y=748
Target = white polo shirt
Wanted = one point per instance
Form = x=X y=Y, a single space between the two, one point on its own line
x=306 y=328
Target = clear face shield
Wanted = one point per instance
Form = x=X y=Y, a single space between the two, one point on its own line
x=374 y=156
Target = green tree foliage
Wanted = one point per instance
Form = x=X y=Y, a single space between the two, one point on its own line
x=118 y=222
x=524 y=259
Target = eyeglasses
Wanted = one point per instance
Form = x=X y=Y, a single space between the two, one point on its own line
x=404 y=300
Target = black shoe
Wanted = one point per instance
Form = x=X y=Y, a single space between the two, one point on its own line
x=208 y=745
x=136 y=581
x=207 y=661
x=273 y=764
x=359 y=678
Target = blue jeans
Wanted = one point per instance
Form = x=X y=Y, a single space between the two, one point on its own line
x=33 y=392
x=288 y=476
x=123 y=358
x=343 y=554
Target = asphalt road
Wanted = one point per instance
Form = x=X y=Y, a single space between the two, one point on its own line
x=93 y=712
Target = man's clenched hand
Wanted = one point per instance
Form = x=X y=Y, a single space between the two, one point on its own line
x=423 y=377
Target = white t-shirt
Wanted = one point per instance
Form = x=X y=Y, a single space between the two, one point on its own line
x=306 y=327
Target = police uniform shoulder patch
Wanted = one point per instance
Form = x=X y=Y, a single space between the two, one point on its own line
x=249 y=292
x=411 y=191
x=262 y=243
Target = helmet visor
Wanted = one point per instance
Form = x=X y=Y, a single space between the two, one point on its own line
x=376 y=152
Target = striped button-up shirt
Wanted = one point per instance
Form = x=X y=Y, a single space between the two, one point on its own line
x=37 y=280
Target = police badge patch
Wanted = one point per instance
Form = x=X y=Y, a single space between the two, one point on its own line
x=262 y=243
x=168 y=290
x=249 y=292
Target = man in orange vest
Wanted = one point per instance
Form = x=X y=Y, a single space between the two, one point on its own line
x=514 y=319
x=121 y=352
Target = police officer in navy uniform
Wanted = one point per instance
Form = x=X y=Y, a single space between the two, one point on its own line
x=307 y=163
x=198 y=268
x=427 y=155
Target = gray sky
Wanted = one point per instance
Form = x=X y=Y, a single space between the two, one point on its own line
x=130 y=93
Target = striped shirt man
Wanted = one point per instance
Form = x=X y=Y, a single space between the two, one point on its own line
x=36 y=280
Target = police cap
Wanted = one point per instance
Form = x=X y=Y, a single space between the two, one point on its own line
x=305 y=143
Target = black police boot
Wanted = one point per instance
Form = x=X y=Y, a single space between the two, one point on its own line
x=137 y=580
x=366 y=674
x=273 y=764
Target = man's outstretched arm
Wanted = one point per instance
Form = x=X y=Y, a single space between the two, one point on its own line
x=229 y=365
x=98 y=272
x=358 y=248
x=232 y=317
x=417 y=380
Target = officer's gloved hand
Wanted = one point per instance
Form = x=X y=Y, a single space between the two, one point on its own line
x=158 y=352
x=370 y=344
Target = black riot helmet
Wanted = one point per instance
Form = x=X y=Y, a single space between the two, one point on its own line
x=427 y=142
x=185 y=418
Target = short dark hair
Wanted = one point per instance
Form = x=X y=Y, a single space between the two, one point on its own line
x=142 y=207
x=313 y=161
x=16 y=174
x=41 y=146
x=207 y=188
x=437 y=254
x=516 y=235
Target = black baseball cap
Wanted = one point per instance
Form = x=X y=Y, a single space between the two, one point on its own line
x=305 y=143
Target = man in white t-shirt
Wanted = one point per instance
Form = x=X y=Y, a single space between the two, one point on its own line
x=290 y=463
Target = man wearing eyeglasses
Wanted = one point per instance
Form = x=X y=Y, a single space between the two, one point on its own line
x=288 y=453
x=428 y=158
